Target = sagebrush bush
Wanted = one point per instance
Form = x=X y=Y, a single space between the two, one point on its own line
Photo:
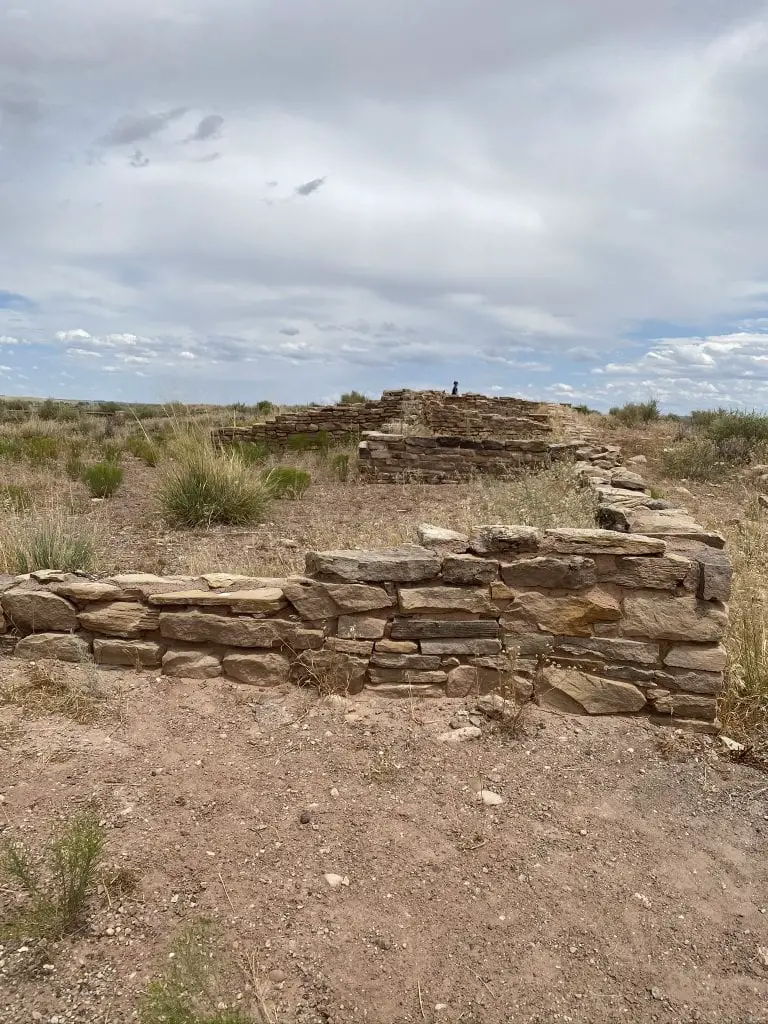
x=56 y=887
x=287 y=481
x=697 y=459
x=103 y=478
x=635 y=413
x=203 y=486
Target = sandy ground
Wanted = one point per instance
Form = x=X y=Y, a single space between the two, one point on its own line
x=623 y=877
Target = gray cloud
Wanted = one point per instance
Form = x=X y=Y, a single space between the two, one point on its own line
x=138 y=127
x=309 y=187
x=208 y=128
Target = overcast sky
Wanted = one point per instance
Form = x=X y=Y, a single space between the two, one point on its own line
x=230 y=200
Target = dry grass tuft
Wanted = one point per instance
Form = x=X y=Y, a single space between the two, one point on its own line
x=49 y=687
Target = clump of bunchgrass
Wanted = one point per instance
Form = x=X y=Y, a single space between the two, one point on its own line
x=287 y=481
x=51 y=541
x=54 y=887
x=103 y=478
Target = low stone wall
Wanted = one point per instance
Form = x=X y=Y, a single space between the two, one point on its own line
x=394 y=458
x=470 y=415
x=587 y=621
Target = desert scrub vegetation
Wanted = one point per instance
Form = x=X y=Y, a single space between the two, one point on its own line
x=47 y=687
x=287 y=481
x=203 y=485
x=54 y=887
x=696 y=459
x=140 y=446
x=103 y=478
x=199 y=986
x=48 y=541
x=633 y=414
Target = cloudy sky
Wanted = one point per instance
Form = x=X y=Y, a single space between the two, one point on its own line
x=230 y=200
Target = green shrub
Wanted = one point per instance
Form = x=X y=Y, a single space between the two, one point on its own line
x=698 y=459
x=737 y=434
x=103 y=478
x=584 y=410
x=287 y=481
x=320 y=441
x=16 y=498
x=635 y=413
x=109 y=408
x=352 y=398
x=142 y=448
x=340 y=466
x=56 y=891
x=48 y=544
x=250 y=452
x=39 y=449
x=203 y=486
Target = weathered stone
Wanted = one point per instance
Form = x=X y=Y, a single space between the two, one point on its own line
x=120 y=618
x=361 y=648
x=686 y=705
x=409 y=563
x=87 y=590
x=705 y=658
x=260 y=669
x=628 y=480
x=414 y=661
x=637 y=460
x=608 y=649
x=397 y=646
x=406 y=675
x=463 y=734
x=199 y=625
x=426 y=629
x=572 y=614
x=568 y=573
x=38 y=611
x=314 y=600
x=331 y=671
x=462 y=680
x=672 y=524
x=311 y=600
x=664 y=573
x=49 y=575
x=440 y=539
x=191 y=664
x=60 y=646
x=144 y=584
x=357 y=597
x=135 y=653
x=662 y=617
x=263 y=600
x=697 y=682
x=498 y=539
x=234 y=581
x=461 y=647
x=500 y=592
x=572 y=541
x=527 y=644
x=469 y=570
x=361 y=627
x=446 y=599
x=715 y=573
x=570 y=690
x=414 y=691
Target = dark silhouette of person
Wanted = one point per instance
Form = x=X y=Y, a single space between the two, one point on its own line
x=455 y=388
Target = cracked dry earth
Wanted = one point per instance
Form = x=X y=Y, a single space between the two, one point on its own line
x=622 y=877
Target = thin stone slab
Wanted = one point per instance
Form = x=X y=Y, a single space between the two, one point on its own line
x=428 y=629
x=406 y=564
x=572 y=541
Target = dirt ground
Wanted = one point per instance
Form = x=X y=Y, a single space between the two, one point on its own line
x=623 y=877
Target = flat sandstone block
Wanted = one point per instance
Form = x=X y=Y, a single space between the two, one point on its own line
x=570 y=690
x=134 y=653
x=572 y=541
x=446 y=599
x=405 y=564
x=59 y=646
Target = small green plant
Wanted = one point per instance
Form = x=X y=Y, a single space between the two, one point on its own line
x=287 y=481
x=38 y=449
x=352 y=398
x=51 y=543
x=697 y=459
x=203 y=486
x=16 y=498
x=193 y=988
x=340 y=466
x=57 y=886
x=103 y=478
x=140 y=446
x=634 y=414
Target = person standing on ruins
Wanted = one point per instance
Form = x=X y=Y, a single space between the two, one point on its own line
x=455 y=388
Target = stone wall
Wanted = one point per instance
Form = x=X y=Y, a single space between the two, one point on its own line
x=474 y=415
x=597 y=621
x=394 y=458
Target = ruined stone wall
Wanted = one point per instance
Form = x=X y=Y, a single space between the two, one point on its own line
x=471 y=415
x=394 y=458
x=588 y=621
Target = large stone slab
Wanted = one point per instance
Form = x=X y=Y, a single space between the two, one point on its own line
x=38 y=611
x=566 y=573
x=59 y=646
x=87 y=590
x=199 y=626
x=695 y=682
x=659 y=616
x=469 y=569
x=419 y=662
x=407 y=564
x=572 y=541
x=120 y=618
x=259 y=669
x=664 y=573
x=436 y=629
x=500 y=539
x=570 y=690
x=263 y=600
x=144 y=584
x=686 y=705
x=607 y=649
x=571 y=614
x=133 y=653
x=672 y=524
x=700 y=657
x=440 y=539
x=446 y=599
x=191 y=664
x=407 y=675
x=460 y=647
x=715 y=571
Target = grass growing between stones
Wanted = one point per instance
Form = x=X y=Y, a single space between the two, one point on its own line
x=54 y=887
